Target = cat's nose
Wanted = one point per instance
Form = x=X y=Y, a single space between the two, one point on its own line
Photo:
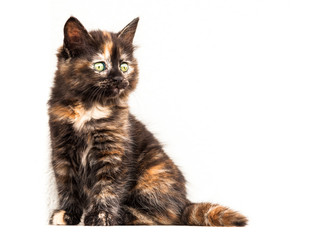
x=117 y=79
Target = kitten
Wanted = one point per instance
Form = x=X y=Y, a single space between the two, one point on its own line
x=106 y=163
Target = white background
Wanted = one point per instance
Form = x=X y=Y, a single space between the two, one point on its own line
x=238 y=91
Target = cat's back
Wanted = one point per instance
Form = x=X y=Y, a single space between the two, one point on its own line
x=149 y=154
x=141 y=137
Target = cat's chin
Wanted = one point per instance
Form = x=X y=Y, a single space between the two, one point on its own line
x=114 y=93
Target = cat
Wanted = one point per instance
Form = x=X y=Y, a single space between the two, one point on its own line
x=108 y=167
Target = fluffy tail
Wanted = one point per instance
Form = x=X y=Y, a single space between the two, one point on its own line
x=208 y=214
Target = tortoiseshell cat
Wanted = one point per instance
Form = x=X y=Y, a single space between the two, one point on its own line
x=106 y=163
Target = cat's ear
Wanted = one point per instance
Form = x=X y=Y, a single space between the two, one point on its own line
x=128 y=32
x=76 y=37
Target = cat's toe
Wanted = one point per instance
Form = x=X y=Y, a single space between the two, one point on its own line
x=58 y=218
x=98 y=218
x=62 y=217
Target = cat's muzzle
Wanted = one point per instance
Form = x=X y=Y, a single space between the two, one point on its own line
x=119 y=82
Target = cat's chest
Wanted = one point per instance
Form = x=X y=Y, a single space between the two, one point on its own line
x=84 y=152
x=83 y=116
x=86 y=124
x=101 y=130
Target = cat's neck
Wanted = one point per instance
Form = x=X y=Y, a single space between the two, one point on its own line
x=83 y=116
x=115 y=103
x=109 y=104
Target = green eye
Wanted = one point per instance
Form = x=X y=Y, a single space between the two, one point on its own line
x=124 y=67
x=99 y=66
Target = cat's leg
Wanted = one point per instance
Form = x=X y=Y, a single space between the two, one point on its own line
x=108 y=182
x=136 y=216
x=159 y=196
x=104 y=204
x=70 y=205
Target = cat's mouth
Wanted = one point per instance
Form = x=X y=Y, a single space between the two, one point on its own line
x=116 y=90
x=113 y=89
x=122 y=85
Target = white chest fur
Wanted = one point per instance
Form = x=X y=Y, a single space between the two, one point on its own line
x=95 y=112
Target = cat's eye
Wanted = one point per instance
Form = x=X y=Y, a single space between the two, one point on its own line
x=124 y=67
x=99 y=66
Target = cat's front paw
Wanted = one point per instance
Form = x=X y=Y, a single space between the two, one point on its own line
x=99 y=218
x=62 y=217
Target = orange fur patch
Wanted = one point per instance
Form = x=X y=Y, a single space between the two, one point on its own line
x=112 y=152
x=155 y=170
x=156 y=178
x=63 y=113
x=107 y=48
x=214 y=215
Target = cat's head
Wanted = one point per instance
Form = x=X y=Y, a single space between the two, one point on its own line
x=96 y=66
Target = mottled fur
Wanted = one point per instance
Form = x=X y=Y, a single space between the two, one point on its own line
x=106 y=163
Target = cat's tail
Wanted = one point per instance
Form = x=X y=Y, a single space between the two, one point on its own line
x=208 y=214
